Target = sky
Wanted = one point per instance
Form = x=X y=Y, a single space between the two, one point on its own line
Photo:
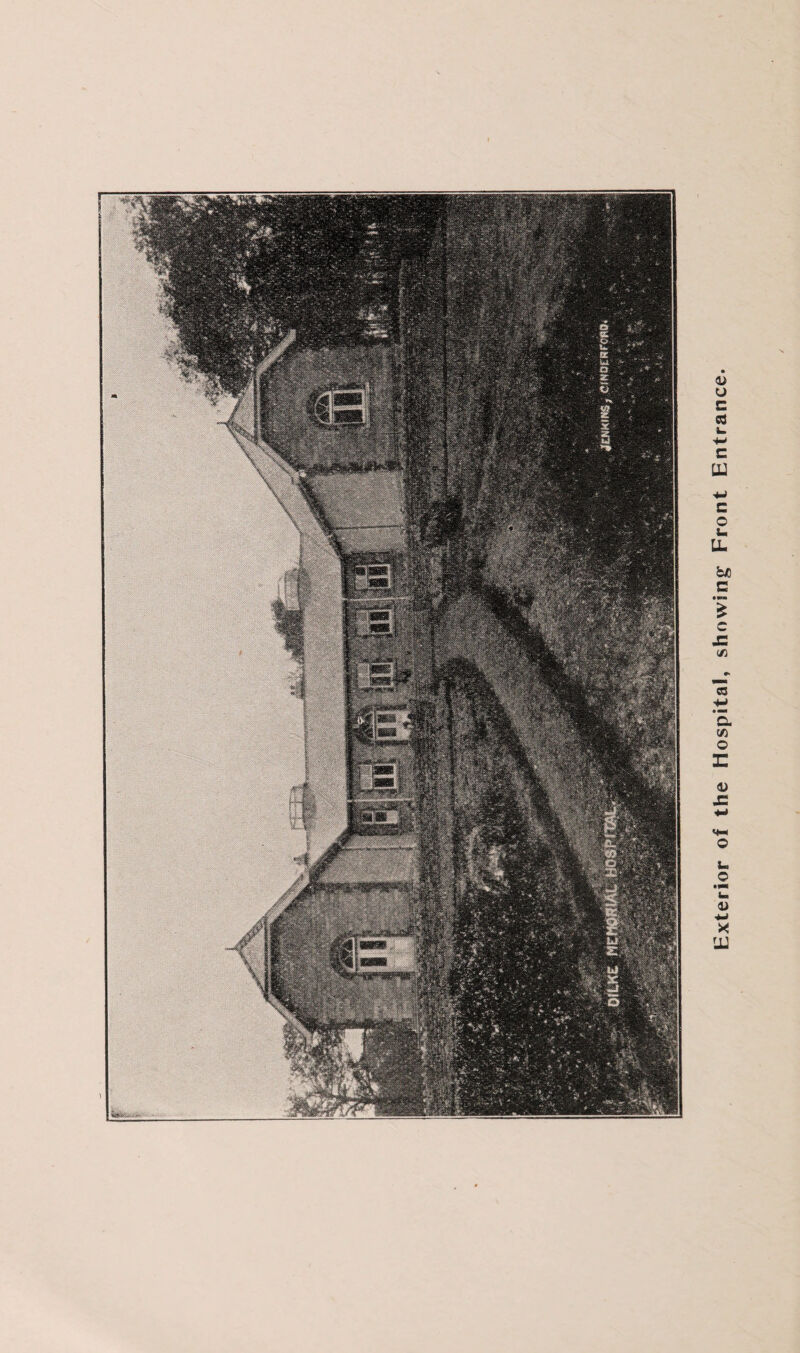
x=204 y=740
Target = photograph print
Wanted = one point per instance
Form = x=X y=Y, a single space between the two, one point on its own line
x=390 y=654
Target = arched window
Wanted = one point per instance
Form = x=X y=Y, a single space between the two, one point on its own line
x=383 y=725
x=342 y=407
x=374 y=955
x=347 y=956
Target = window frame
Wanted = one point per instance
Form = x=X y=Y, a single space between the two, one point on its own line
x=387 y=720
x=360 y=405
x=368 y=817
x=372 y=955
x=367 y=571
x=367 y=679
x=376 y=725
x=366 y=630
x=389 y=782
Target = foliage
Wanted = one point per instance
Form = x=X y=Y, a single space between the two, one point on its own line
x=325 y=1080
x=289 y=625
x=532 y=1035
x=391 y=1051
x=328 y=1082
x=238 y=270
x=580 y=543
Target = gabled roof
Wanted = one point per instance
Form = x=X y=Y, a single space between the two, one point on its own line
x=324 y=703
x=253 y=949
x=244 y=415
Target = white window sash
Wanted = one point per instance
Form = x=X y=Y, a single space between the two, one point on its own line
x=383 y=775
x=355 y=396
x=343 y=401
x=356 y=404
x=375 y=676
x=324 y=399
x=373 y=577
x=386 y=725
x=380 y=817
x=377 y=775
x=382 y=621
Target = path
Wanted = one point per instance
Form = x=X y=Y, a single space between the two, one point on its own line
x=579 y=788
x=579 y=783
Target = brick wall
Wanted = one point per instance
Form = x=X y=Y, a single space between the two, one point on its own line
x=362 y=650
x=286 y=395
x=303 y=976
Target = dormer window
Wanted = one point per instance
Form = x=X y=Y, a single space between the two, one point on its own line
x=342 y=407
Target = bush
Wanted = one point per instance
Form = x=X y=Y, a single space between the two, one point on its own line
x=391 y=1054
x=289 y=625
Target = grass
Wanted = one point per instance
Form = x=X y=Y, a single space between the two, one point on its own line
x=579 y=540
x=533 y=1033
x=501 y=406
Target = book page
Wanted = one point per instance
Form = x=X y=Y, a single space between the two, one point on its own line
x=401 y=678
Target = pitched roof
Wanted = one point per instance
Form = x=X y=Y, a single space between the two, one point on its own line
x=324 y=701
x=324 y=709
x=254 y=950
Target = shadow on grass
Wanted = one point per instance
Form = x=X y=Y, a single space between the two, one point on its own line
x=533 y=1033
x=621 y=499
x=655 y=812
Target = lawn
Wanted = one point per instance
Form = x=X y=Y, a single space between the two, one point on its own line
x=532 y=1033
x=571 y=540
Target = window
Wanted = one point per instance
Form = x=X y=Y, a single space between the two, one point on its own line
x=373 y=955
x=338 y=408
x=392 y=725
x=379 y=817
x=373 y=577
x=383 y=725
x=378 y=775
x=375 y=676
x=375 y=622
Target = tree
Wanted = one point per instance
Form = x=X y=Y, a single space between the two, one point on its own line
x=325 y=1080
x=328 y=1082
x=238 y=270
x=289 y=625
x=200 y=247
